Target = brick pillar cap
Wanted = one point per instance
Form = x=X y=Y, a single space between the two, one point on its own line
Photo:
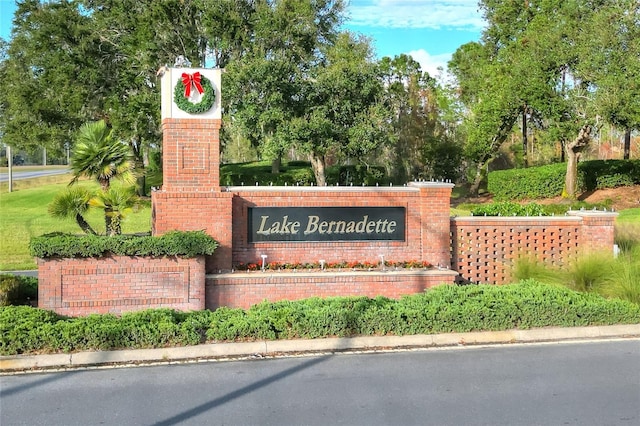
x=593 y=213
x=431 y=184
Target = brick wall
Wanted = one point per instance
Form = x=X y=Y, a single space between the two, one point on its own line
x=427 y=205
x=241 y=290
x=209 y=211
x=120 y=284
x=224 y=216
x=484 y=249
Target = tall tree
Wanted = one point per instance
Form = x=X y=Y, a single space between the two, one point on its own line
x=424 y=145
x=73 y=61
x=341 y=107
x=135 y=38
x=493 y=106
x=263 y=87
x=614 y=65
x=409 y=95
x=538 y=52
x=47 y=76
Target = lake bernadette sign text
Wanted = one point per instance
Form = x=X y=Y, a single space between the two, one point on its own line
x=326 y=223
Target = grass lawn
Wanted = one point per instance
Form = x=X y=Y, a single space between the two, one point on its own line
x=23 y=214
x=629 y=216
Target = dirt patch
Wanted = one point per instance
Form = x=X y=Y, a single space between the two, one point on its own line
x=622 y=198
x=626 y=197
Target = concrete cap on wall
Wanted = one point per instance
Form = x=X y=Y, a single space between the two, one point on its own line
x=421 y=184
x=593 y=213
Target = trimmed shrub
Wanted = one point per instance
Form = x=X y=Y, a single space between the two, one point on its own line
x=174 y=243
x=507 y=208
x=439 y=310
x=600 y=174
x=292 y=173
x=519 y=184
x=548 y=181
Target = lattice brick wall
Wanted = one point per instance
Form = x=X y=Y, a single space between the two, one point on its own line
x=484 y=248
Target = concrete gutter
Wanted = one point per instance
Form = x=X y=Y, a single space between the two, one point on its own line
x=274 y=348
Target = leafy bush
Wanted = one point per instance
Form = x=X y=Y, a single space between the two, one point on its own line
x=599 y=174
x=17 y=290
x=299 y=173
x=507 y=208
x=292 y=174
x=357 y=174
x=531 y=183
x=548 y=181
x=439 y=310
x=174 y=243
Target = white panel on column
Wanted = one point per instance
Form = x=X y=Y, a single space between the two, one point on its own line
x=196 y=82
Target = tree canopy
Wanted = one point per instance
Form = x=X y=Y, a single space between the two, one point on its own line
x=558 y=61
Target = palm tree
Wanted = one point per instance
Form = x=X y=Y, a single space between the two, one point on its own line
x=117 y=204
x=98 y=155
x=74 y=202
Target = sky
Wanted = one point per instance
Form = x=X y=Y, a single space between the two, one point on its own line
x=428 y=30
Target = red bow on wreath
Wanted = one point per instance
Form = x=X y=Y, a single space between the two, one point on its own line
x=191 y=79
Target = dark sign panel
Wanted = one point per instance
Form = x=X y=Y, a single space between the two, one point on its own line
x=326 y=223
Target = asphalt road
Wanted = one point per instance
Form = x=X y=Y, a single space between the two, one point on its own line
x=20 y=175
x=595 y=383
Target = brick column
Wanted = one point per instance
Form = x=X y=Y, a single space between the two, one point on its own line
x=597 y=231
x=435 y=200
x=190 y=154
x=190 y=198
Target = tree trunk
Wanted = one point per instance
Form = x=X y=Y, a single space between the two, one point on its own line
x=317 y=165
x=108 y=222
x=571 y=177
x=524 y=138
x=86 y=228
x=627 y=144
x=275 y=165
x=477 y=181
x=138 y=161
x=141 y=184
x=572 y=151
x=141 y=178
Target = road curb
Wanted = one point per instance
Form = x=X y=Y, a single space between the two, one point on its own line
x=272 y=348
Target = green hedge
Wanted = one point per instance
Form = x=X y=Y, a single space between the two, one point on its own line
x=174 y=243
x=507 y=208
x=18 y=290
x=300 y=173
x=292 y=173
x=439 y=310
x=609 y=173
x=357 y=174
x=548 y=181
x=532 y=183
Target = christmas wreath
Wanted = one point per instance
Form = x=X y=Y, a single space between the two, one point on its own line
x=182 y=92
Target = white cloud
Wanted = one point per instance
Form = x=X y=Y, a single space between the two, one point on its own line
x=431 y=63
x=435 y=14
